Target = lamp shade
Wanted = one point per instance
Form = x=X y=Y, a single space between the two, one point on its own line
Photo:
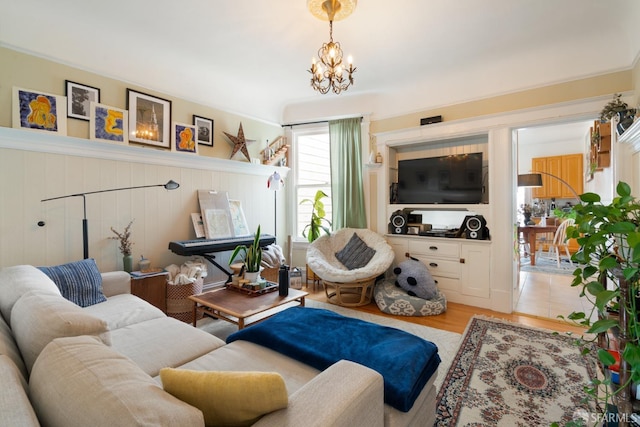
x=530 y=180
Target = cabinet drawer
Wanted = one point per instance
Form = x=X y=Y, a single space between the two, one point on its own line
x=447 y=283
x=441 y=267
x=434 y=248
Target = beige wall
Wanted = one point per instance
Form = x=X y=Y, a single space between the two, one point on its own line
x=30 y=72
x=564 y=92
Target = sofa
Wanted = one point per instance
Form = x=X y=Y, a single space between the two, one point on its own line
x=66 y=365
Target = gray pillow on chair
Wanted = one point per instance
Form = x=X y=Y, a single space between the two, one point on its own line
x=356 y=253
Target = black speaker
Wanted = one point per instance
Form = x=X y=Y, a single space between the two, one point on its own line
x=398 y=224
x=475 y=227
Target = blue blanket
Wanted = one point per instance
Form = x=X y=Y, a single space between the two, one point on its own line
x=320 y=338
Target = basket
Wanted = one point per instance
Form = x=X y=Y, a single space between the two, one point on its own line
x=179 y=306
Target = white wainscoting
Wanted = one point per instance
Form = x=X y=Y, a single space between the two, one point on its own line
x=36 y=166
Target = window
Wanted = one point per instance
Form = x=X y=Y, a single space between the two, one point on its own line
x=311 y=171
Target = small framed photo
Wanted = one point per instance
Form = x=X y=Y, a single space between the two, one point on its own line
x=79 y=99
x=39 y=111
x=184 y=138
x=108 y=124
x=149 y=119
x=204 y=128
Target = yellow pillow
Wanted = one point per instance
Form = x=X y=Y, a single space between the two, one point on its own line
x=227 y=398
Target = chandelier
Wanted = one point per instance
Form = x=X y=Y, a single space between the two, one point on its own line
x=329 y=72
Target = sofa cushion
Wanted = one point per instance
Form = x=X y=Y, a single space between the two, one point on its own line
x=227 y=398
x=16 y=280
x=15 y=406
x=356 y=253
x=124 y=310
x=9 y=348
x=37 y=319
x=80 y=282
x=96 y=386
x=162 y=343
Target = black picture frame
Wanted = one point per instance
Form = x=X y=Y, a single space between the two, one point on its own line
x=79 y=99
x=149 y=119
x=204 y=130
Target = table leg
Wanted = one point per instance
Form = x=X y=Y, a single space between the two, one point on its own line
x=241 y=323
x=195 y=313
x=302 y=302
x=532 y=247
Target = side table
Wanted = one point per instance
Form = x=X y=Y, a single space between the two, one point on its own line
x=152 y=289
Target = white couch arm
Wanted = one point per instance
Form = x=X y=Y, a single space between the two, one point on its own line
x=344 y=395
x=116 y=282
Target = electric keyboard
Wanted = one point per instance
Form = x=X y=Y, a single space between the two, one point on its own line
x=205 y=246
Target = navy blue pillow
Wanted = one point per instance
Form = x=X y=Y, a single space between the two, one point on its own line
x=80 y=282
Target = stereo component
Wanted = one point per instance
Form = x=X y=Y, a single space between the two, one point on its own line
x=398 y=223
x=475 y=227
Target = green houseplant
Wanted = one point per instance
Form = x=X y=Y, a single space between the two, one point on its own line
x=609 y=272
x=318 y=222
x=252 y=254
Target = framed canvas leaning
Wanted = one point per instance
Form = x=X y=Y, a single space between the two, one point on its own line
x=108 y=124
x=39 y=111
x=149 y=119
x=79 y=99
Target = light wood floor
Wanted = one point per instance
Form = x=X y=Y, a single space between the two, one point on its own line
x=457 y=316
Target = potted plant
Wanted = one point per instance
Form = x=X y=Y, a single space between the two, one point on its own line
x=252 y=256
x=316 y=226
x=609 y=273
x=125 y=246
x=318 y=223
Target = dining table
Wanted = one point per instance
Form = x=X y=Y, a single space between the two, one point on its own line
x=529 y=233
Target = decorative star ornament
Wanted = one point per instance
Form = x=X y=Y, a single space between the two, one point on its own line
x=239 y=143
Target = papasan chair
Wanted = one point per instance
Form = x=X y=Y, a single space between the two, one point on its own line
x=348 y=261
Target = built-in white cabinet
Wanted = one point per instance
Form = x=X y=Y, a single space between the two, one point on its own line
x=460 y=267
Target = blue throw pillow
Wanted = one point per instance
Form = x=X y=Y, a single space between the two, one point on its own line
x=80 y=282
x=356 y=253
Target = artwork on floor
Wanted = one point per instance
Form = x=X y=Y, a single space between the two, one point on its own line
x=149 y=119
x=79 y=99
x=108 y=124
x=39 y=111
x=204 y=130
x=184 y=138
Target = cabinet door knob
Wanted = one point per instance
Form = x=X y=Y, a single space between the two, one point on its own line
x=433 y=248
x=462 y=261
x=435 y=281
x=433 y=264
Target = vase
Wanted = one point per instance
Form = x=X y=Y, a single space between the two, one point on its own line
x=527 y=218
x=127 y=263
x=252 y=277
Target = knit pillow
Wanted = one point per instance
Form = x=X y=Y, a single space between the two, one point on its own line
x=356 y=253
x=227 y=398
x=80 y=282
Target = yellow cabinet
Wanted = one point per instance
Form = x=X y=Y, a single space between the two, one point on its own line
x=567 y=167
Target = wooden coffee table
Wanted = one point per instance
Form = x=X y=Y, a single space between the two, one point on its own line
x=236 y=307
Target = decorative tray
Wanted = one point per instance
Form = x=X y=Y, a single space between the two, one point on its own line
x=251 y=292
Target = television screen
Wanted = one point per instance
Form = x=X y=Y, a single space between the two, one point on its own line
x=455 y=179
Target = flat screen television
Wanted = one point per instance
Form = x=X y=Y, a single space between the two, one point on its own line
x=455 y=179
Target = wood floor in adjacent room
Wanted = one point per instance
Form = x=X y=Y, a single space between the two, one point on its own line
x=457 y=316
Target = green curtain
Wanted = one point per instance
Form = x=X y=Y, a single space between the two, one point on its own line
x=347 y=191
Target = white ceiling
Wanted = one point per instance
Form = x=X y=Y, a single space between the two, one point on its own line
x=251 y=56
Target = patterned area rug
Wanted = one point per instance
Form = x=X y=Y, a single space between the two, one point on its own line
x=505 y=374
x=547 y=266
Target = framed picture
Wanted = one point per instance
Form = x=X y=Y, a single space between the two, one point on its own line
x=149 y=119
x=39 y=111
x=79 y=99
x=184 y=138
x=198 y=225
x=108 y=124
x=204 y=129
x=240 y=227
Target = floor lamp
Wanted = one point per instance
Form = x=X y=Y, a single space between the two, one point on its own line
x=171 y=185
x=535 y=180
x=275 y=184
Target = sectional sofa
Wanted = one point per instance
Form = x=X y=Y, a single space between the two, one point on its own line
x=66 y=365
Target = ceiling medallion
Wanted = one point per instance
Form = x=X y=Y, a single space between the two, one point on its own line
x=329 y=73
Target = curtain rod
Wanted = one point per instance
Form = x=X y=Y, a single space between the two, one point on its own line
x=315 y=123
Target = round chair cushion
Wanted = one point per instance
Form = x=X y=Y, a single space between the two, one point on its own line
x=394 y=300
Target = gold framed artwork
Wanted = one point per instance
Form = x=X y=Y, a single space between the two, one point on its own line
x=108 y=124
x=39 y=111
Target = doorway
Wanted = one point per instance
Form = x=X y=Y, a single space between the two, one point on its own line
x=544 y=290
